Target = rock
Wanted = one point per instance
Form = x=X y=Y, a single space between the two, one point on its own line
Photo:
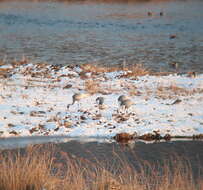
x=176 y=101
x=67 y=86
x=13 y=132
x=67 y=124
x=173 y=36
x=167 y=137
x=124 y=137
x=11 y=125
x=196 y=137
x=34 y=129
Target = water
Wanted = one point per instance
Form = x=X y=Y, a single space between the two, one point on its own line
x=63 y=33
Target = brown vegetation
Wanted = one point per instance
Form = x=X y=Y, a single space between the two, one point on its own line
x=92 y=86
x=131 y=71
x=174 y=90
x=135 y=71
x=124 y=137
x=96 y=69
x=46 y=168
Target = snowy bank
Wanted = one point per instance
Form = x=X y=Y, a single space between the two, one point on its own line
x=34 y=99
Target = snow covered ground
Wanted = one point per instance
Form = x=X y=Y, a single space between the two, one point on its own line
x=34 y=99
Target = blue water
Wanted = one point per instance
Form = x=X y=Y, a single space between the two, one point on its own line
x=63 y=33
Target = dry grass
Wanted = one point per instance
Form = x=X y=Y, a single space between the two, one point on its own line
x=130 y=71
x=28 y=172
x=45 y=168
x=94 y=86
x=91 y=68
x=173 y=90
x=135 y=71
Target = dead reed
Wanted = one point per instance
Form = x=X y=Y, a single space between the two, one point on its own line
x=174 y=90
x=130 y=71
x=45 y=168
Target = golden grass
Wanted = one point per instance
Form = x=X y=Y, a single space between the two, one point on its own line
x=92 y=86
x=46 y=168
x=135 y=71
x=27 y=172
x=174 y=90
x=131 y=71
x=91 y=68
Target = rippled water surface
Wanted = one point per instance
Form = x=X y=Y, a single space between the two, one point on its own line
x=64 y=33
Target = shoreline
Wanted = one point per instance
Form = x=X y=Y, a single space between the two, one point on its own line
x=22 y=142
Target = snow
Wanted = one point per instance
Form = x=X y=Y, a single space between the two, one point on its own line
x=36 y=105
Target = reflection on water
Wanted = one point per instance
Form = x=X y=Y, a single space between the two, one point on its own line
x=21 y=142
x=63 y=33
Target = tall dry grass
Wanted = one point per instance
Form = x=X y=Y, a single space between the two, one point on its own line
x=131 y=71
x=48 y=169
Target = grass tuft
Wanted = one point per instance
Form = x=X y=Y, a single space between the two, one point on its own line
x=39 y=168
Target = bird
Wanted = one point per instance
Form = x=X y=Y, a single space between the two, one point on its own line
x=161 y=13
x=122 y=98
x=172 y=36
x=174 y=65
x=192 y=74
x=77 y=97
x=126 y=104
x=149 y=13
x=100 y=100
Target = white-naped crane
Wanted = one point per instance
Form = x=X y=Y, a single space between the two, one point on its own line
x=77 y=97
x=126 y=104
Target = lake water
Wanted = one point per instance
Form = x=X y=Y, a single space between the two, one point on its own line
x=64 y=33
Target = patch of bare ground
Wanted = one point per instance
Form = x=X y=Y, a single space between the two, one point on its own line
x=44 y=167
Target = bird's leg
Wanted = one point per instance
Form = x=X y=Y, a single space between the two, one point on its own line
x=99 y=110
x=125 y=111
x=78 y=106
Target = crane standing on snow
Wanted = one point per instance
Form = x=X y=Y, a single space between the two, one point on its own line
x=126 y=104
x=77 y=97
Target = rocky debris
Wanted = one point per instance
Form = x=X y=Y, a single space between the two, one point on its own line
x=121 y=117
x=56 y=129
x=67 y=86
x=196 y=137
x=151 y=136
x=17 y=112
x=97 y=117
x=10 y=125
x=167 y=137
x=13 y=133
x=34 y=129
x=37 y=113
x=82 y=117
x=155 y=136
x=176 y=101
x=172 y=36
x=67 y=124
x=124 y=137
